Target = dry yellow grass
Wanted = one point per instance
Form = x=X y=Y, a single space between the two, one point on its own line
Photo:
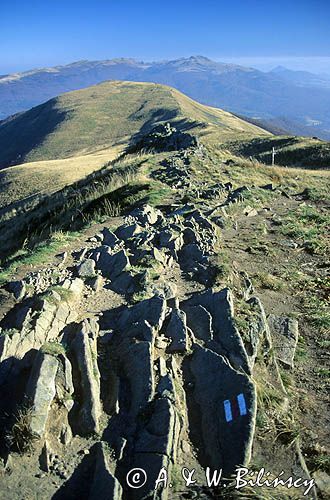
x=47 y=176
x=305 y=172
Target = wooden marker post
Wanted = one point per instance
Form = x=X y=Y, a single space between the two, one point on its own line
x=273 y=157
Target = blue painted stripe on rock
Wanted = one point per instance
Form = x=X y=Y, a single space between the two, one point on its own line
x=241 y=404
x=228 y=413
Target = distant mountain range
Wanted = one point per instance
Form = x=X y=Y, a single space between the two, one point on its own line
x=292 y=101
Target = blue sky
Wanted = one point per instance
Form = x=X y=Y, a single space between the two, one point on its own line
x=261 y=33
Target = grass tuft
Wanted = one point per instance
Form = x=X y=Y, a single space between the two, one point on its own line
x=20 y=437
x=53 y=348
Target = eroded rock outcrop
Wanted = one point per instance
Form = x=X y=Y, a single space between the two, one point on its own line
x=30 y=327
x=163 y=371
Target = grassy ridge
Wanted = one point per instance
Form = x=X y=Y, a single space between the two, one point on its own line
x=106 y=115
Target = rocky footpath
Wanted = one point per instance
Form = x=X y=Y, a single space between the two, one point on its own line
x=126 y=354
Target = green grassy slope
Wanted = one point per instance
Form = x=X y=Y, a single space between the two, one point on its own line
x=106 y=115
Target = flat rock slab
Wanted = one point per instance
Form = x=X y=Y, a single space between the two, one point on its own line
x=156 y=447
x=221 y=307
x=199 y=321
x=152 y=463
x=161 y=431
x=41 y=390
x=85 y=351
x=226 y=402
x=136 y=364
x=151 y=310
x=177 y=331
x=284 y=332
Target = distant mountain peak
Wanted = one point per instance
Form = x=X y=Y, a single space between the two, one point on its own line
x=279 y=69
x=201 y=59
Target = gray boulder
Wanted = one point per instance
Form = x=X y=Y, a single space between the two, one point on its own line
x=156 y=447
x=111 y=265
x=109 y=238
x=165 y=290
x=166 y=387
x=190 y=236
x=80 y=254
x=124 y=283
x=128 y=231
x=237 y=195
x=96 y=283
x=201 y=220
x=151 y=310
x=159 y=256
x=134 y=359
x=42 y=324
x=190 y=255
x=160 y=432
x=86 y=269
x=153 y=463
x=219 y=221
x=250 y=211
x=258 y=329
x=147 y=215
x=64 y=383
